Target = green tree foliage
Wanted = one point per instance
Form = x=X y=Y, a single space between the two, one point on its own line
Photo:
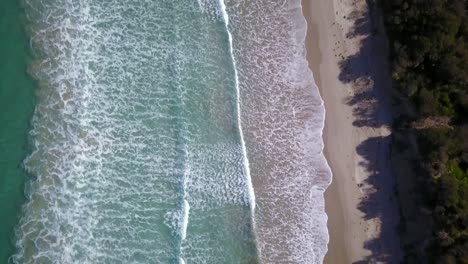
x=429 y=40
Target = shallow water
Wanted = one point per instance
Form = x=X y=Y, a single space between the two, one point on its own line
x=173 y=132
x=282 y=118
x=136 y=122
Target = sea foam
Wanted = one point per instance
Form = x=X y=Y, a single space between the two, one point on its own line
x=176 y=131
x=282 y=117
x=137 y=154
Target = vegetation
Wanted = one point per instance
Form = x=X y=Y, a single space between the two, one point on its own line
x=429 y=46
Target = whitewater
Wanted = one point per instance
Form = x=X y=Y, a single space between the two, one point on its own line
x=282 y=115
x=172 y=132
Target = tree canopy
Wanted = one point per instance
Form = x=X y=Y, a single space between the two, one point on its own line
x=429 y=47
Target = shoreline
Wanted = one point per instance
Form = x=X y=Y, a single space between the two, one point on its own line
x=360 y=202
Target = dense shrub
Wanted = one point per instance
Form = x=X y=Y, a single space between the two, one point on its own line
x=429 y=47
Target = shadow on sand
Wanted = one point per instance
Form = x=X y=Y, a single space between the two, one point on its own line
x=379 y=202
x=367 y=72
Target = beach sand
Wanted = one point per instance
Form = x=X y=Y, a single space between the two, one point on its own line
x=347 y=52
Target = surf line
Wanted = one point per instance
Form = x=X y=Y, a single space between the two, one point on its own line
x=185 y=206
x=184 y=224
x=251 y=193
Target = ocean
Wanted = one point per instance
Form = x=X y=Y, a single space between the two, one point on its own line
x=171 y=131
x=16 y=108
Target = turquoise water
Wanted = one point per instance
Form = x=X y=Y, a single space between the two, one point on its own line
x=137 y=153
x=172 y=132
x=16 y=107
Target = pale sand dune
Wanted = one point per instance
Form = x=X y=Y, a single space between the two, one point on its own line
x=350 y=67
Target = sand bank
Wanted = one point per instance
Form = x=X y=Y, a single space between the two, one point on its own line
x=347 y=53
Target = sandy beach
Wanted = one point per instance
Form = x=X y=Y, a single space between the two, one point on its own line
x=347 y=53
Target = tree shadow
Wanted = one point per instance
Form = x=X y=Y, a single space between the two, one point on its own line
x=379 y=203
x=367 y=73
x=367 y=69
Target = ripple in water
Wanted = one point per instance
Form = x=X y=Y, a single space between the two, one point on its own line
x=282 y=119
x=138 y=156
